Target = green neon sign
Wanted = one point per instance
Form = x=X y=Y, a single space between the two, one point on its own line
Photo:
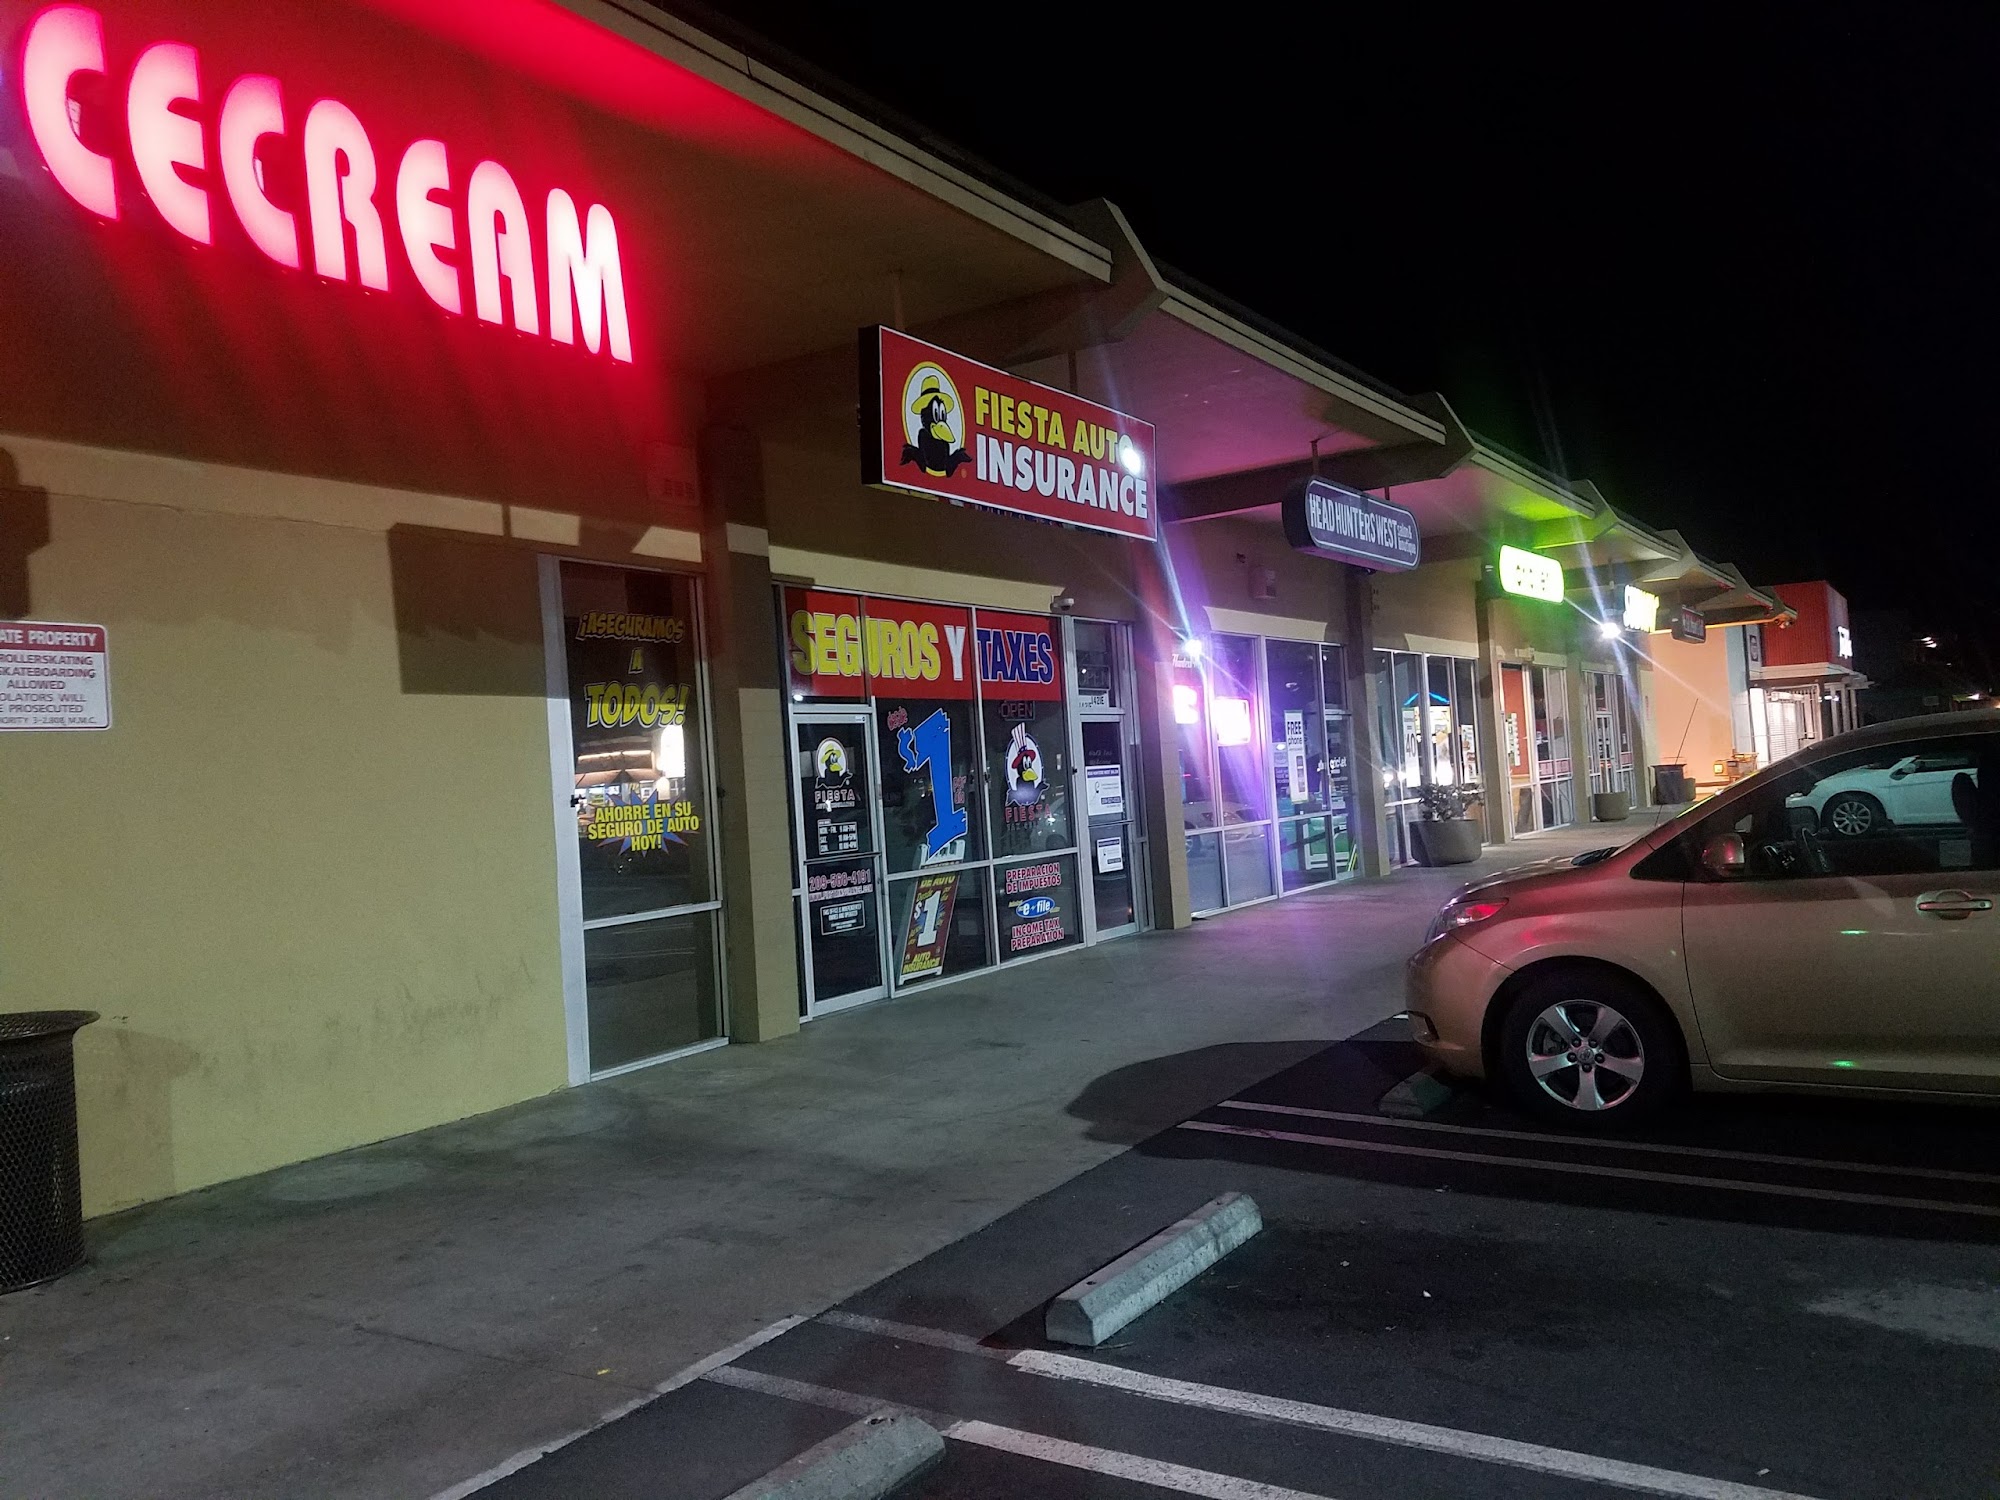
x=1531 y=575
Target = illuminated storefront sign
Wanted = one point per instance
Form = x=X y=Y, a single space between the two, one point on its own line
x=1531 y=575
x=353 y=203
x=1843 y=643
x=1642 y=610
x=1688 y=625
x=943 y=425
x=1349 y=527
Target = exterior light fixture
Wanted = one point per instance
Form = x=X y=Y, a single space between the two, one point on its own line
x=1610 y=629
x=1131 y=458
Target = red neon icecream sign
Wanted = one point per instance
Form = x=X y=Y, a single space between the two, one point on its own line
x=353 y=200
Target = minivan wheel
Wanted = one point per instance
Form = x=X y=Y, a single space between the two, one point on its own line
x=1851 y=815
x=1589 y=1048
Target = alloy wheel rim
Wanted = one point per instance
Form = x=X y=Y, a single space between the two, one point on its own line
x=1585 y=1055
x=1851 y=816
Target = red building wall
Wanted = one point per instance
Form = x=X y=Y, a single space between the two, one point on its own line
x=1815 y=636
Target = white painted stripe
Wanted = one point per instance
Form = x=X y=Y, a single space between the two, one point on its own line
x=1662 y=1148
x=1590 y=1169
x=693 y=1372
x=910 y=1333
x=787 y=1389
x=1641 y=1478
x=1130 y=1466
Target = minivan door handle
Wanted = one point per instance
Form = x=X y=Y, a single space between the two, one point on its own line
x=1952 y=906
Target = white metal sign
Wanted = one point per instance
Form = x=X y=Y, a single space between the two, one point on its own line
x=54 y=676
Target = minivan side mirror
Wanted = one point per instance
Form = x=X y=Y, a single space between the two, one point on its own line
x=1726 y=857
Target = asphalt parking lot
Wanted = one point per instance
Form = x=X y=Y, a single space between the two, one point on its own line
x=1752 y=1298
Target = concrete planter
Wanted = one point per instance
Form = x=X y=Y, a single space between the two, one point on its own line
x=1610 y=807
x=1448 y=841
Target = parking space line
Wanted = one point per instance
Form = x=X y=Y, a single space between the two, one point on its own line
x=1593 y=1169
x=1152 y=1471
x=909 y=1333
x=1662 y=1148
x=1641 y=1478
x=687 y=1376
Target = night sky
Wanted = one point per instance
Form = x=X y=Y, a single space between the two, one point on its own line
x=1736 y=264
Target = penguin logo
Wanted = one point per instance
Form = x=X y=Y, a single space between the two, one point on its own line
x=832 y=758
x=934 y=423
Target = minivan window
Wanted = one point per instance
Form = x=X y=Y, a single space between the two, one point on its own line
x=1919 y=807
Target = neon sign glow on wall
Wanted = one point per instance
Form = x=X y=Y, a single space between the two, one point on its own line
x=352 y=196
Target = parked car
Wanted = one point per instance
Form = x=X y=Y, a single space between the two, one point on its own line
x=1906 y=790
x=1747 y=944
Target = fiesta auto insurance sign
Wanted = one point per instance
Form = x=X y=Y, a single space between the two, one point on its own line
x=943 y=425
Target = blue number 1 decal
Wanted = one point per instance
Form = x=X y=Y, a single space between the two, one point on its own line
x=930 y=742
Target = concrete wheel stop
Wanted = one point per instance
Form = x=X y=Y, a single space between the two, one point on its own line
x=866 y=1461
x=1146 y=1275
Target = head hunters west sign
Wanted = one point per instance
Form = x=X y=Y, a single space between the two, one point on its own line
x=937 y=423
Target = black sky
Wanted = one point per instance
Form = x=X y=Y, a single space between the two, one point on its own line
x=1736 y=264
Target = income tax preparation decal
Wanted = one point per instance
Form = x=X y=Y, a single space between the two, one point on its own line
x=943 y=425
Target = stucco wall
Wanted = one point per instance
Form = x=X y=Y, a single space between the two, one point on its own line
x=308 y=875
x=1433 y=608
x=1691 y=703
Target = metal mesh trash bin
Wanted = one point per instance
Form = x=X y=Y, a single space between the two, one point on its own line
x=41 y=1190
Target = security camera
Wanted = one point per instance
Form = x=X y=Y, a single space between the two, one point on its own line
x=1062 y=604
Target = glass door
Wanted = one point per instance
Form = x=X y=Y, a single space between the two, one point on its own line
x=1112 y=846
x=840 y=878
x=1108 y=804
x=641 y=799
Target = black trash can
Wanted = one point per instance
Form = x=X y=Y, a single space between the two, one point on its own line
x=41 y=1189
x=1671 y=786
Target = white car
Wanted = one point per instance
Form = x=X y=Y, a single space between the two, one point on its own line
x=1911 y=792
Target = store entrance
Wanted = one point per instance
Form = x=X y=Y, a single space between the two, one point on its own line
x=1108 y=804
x=839 y=865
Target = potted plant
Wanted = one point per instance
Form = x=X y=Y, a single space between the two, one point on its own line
x=1445 y=835
x=1609 y=807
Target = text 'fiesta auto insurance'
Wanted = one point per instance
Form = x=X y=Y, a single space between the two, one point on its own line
x=943 y=425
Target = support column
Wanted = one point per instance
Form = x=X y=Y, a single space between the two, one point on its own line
x=1369 y=825
x=760 y=955
x=1160 y=775
x=1497 y=776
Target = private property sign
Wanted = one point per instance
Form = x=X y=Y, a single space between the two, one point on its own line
x=53 y=676
x=943 y=425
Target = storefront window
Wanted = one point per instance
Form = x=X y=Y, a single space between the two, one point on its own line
x=926 y=749
x=1027 y=733
x=637 y=728
x=1038 y=906
x=642 y=803
x=937 y=925
x=1190 y=691
x=1096 y=664
x=1465 y=717
x=1233 y=717
x=1298 y=727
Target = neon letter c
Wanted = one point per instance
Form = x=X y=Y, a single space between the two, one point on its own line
x=166 y=74
x=63 y=41
x=251 y=110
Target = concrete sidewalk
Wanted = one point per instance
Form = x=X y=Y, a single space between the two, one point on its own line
x=391 y=1321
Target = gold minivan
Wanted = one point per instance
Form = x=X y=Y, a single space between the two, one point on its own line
x=1766 y=938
